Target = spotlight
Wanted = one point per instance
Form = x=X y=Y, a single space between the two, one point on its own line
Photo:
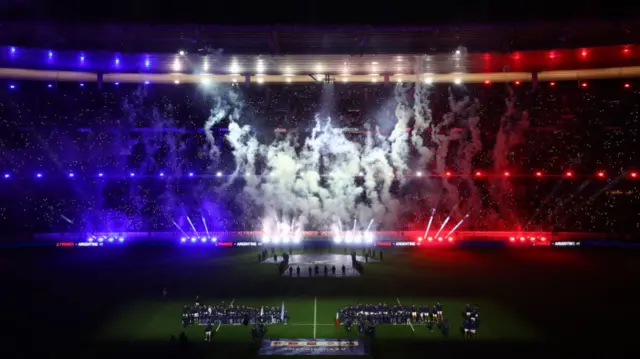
x=419 y=174
x=100 y=174
x=132 y=174
x=161 y=174
x=50 y=54
x=111 y=239
x=512 y=239
x=439 y=239
x=190 y=174
x=633 y=174
x=552 y=84
x=90 y=239
x=49 y=85
x=218 y=174
x=450 y=239
x=448 y=174
x=538 y=174
x=601 y=174
x=193 y=239
x=39 y=175
x=6 y=175
x=214 y=239
x=81 y=84
x=12 y=86
x=478 y=174
x=419 y=239
x=121 y=239
x=266 y=239
x=568 y=174
x=507 y=174
x=203 y=239
x=101 y=239
x=181 y=52
x=543 y=239
x=183 y=239
x=13 y=50
x=71 y=175
x=522 y=239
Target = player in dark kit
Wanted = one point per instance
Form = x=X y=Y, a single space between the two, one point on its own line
x=317 y=270
x=298 y=270
x=310 y=271
x=466 y=326
x=344 y=270
x=326 y=271
x=207 y=332
x=290 y=271
x=333 y=270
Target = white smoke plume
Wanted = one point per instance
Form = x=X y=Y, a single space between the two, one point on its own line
x=325 y=177
x=319 y=179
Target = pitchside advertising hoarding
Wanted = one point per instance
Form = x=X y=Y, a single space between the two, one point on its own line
x=312 y=347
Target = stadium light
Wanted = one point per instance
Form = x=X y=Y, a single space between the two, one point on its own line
x=633 y=174
x=568 y=174
x=429 y=239
x=183 y=240
x=601 y=174
x=512 y=239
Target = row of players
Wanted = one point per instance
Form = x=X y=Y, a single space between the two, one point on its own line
x=201 y=314
x=368 y=316
x=316 y=270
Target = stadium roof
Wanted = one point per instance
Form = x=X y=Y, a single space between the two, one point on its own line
x=301 y=39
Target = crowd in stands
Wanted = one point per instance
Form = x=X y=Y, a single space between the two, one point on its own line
x=159 y=128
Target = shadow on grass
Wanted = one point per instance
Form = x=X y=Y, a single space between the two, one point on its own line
x=379 y=349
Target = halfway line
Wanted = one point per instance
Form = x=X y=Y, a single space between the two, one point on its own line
x=315 y=315
x=411 y=325
x=230 y=305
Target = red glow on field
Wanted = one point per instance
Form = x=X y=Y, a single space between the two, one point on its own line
x=538 y=174
x=568 y=174
x=543 y=239
x=601 y=174
x=584 y=85
x=522 y=239
x=516 y=56
x=633 y=174
x=626 y=50
x=439 y=239
x=552 y=54
x=478 y=173
x=627 y=85
x=507 y=174
x=552 y=84
x=419 y=239
x=448 y=174
x=517 y=83
x=450 y=239
x=584 y=53
x=512 y=239
x=487 y=82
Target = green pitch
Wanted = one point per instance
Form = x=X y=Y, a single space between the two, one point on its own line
x=309 y=318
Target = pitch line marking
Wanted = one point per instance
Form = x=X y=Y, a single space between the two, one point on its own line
x=219 y=324
x=315 y=315
x=411 y=325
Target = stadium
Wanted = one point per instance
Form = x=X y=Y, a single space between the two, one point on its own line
x=238 y=191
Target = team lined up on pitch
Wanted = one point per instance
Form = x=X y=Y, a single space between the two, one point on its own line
x=218 y=314
x=366 y=317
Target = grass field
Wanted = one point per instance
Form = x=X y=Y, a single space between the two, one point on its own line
x=309 y=318
x=108 y=303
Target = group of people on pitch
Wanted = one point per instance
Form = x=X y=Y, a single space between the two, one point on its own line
x=202 y=314
x=365 y=316
x=316 y=270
